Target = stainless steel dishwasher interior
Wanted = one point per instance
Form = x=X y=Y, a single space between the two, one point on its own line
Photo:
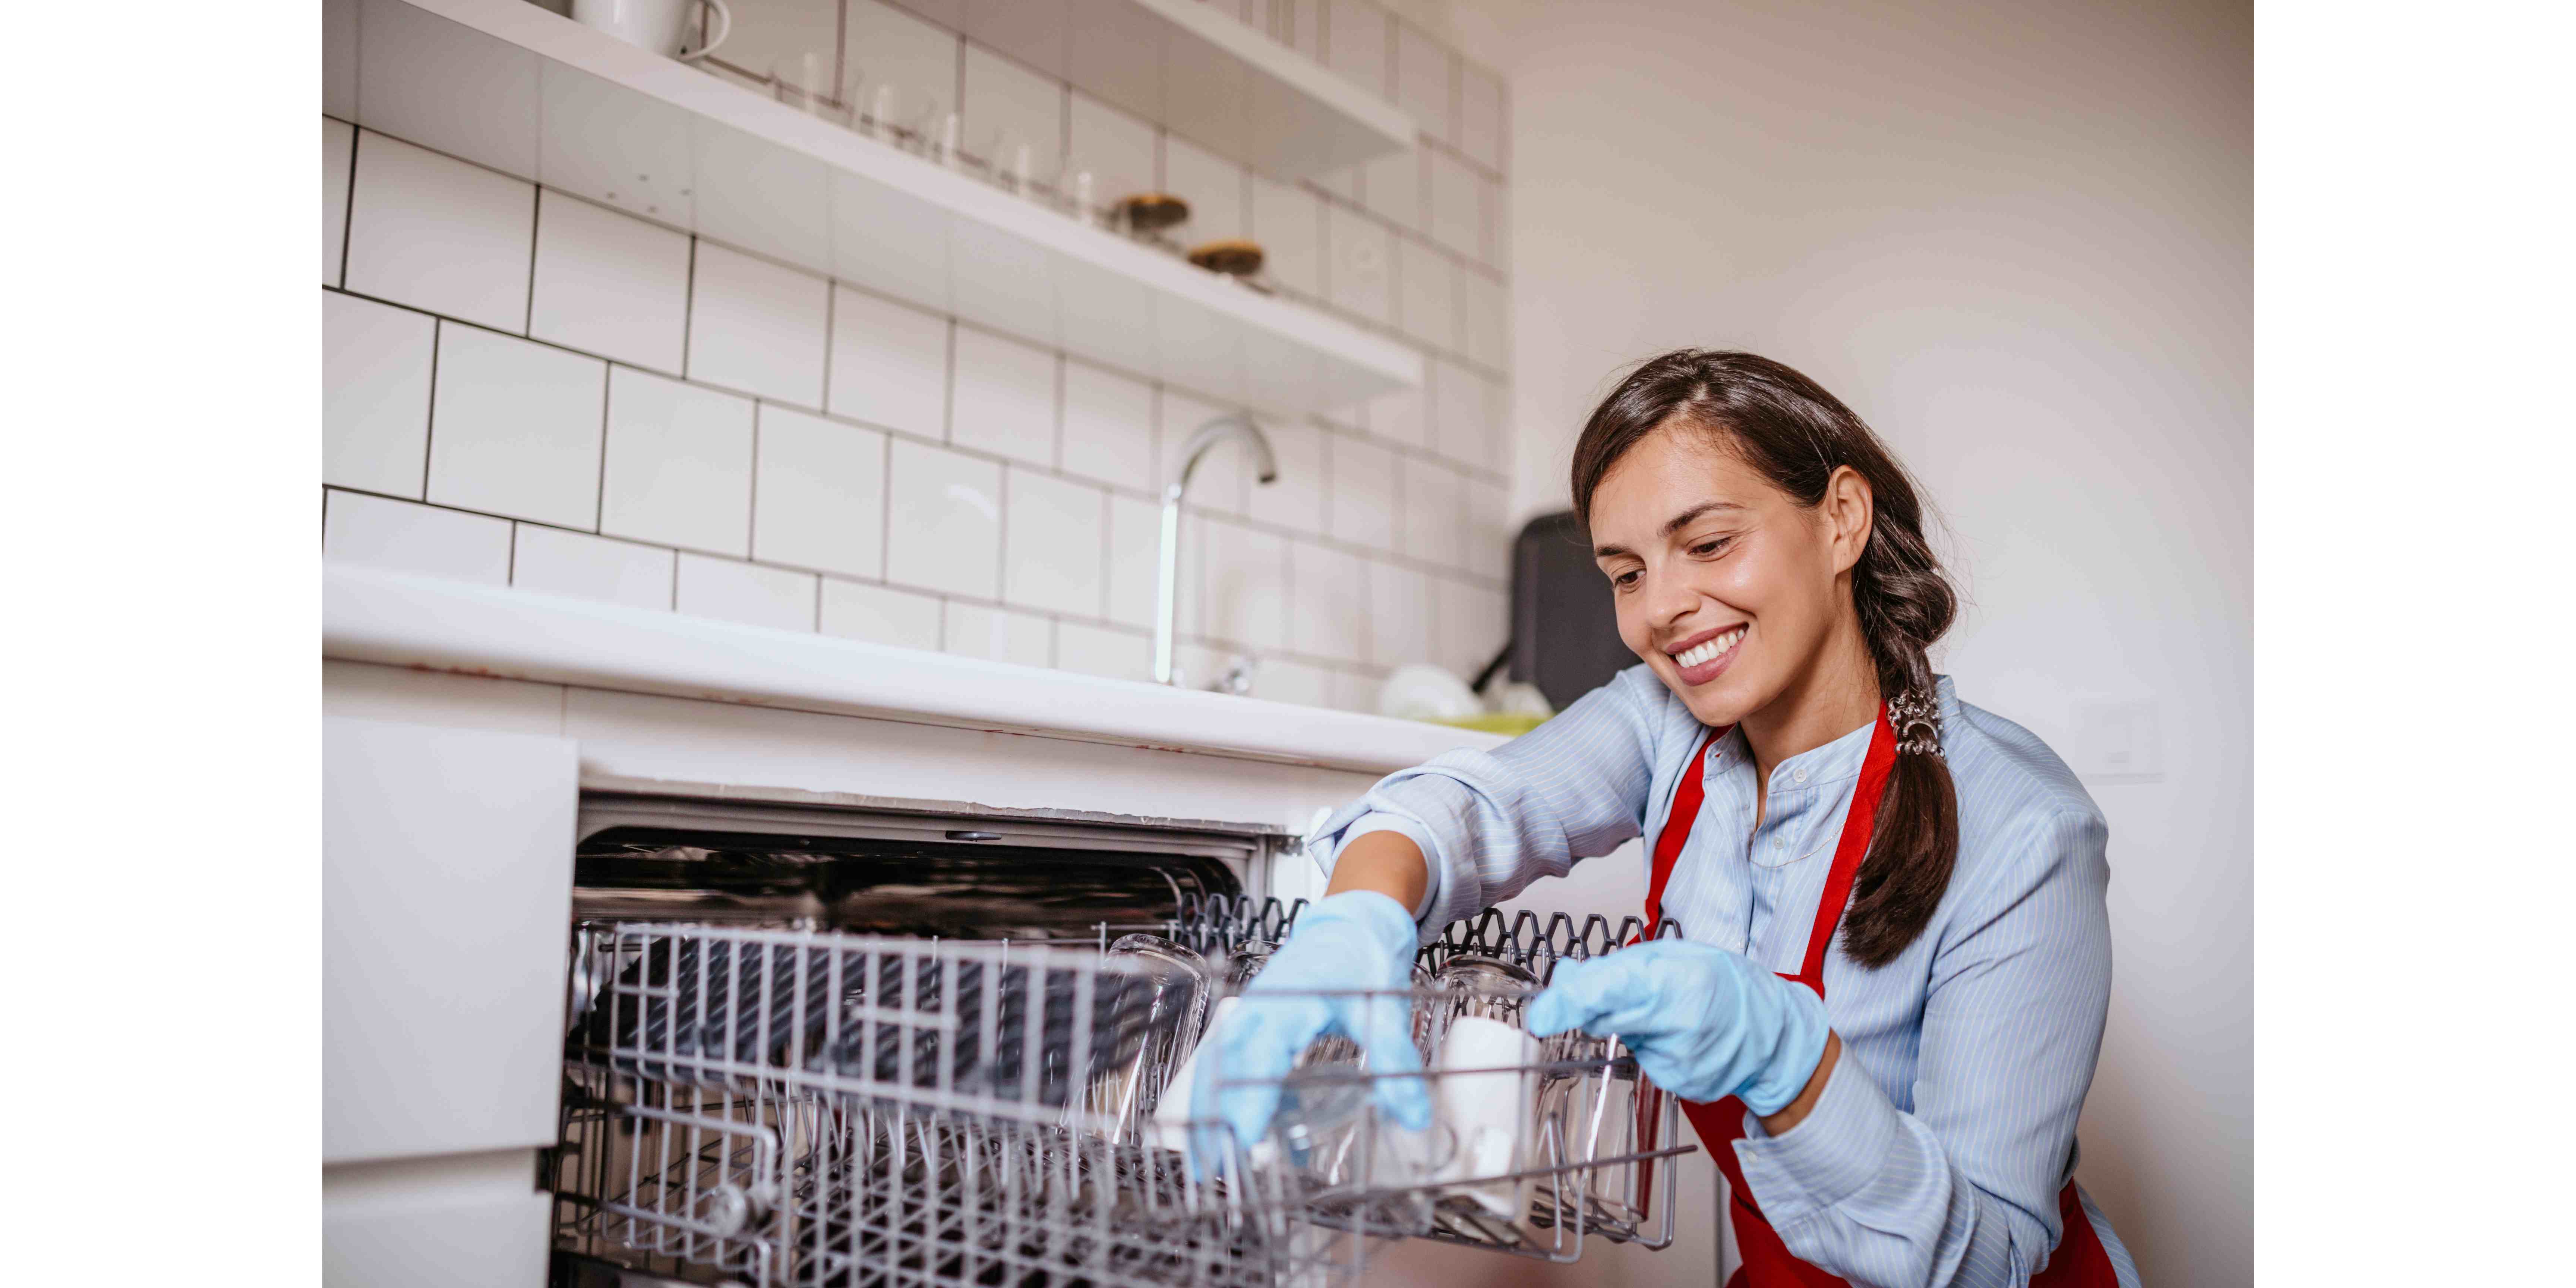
x=924 y=871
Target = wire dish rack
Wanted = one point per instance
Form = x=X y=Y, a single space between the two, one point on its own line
x=780 y=1107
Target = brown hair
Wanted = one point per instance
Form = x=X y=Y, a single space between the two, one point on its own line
x=1793 y=433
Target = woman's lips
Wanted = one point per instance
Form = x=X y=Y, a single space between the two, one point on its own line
x=1707 y=659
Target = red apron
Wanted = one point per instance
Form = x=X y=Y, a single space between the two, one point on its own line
x=2079 y=1261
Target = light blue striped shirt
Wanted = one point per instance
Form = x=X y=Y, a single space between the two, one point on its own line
x=1936 y=1153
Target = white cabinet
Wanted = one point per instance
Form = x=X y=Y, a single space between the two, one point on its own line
x=446 y=898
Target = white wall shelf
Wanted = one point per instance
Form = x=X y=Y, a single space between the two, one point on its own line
x=507 y=84
x=1195 y=69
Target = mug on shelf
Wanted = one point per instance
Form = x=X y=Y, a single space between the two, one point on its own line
x=659 y=25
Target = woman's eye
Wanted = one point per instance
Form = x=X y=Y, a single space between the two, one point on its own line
x=1626 y=580
x=1711 y=546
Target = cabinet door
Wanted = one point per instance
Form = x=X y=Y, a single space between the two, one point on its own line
x=446 y=899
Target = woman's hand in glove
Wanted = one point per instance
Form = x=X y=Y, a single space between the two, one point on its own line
x=1704 y=1023
x=1345 y=944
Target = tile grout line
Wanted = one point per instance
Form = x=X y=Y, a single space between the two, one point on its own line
x=429 y=423
x=348 y=209
x=536 y=218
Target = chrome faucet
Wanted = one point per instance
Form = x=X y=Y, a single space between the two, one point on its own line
x=1167 y=584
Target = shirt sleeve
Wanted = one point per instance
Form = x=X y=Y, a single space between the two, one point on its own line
x=1491 y=822
x=1962 y=1191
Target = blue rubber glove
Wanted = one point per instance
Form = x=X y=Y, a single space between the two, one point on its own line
x=1704 y=1023
x=1355 y=940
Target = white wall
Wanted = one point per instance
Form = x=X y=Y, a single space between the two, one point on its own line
x=2017 y=237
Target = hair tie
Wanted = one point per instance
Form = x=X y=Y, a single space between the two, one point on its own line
x=1917 y=722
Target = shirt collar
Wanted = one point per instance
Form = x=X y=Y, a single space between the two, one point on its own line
x=1835 y=761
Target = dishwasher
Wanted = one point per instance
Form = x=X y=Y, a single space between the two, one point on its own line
x=597 y=1031
x=857 y=1047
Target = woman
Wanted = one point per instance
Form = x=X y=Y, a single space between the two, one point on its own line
x=1894 y=960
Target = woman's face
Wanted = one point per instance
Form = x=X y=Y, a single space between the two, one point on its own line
x=1724 y=584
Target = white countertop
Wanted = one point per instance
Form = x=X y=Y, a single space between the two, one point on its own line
x=370 y=615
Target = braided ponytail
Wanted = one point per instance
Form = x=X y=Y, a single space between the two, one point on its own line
x=1792 y=432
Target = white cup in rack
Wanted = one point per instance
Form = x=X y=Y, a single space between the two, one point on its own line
x=658 y=25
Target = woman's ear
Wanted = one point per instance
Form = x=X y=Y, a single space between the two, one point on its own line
x=1848 y=507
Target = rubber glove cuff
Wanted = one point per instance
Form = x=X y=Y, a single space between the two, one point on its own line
x=1703 y=1022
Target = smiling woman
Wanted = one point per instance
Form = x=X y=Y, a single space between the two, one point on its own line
x=1898 y=1112
x=1735 y=503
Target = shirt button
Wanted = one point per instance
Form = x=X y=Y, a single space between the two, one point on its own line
x=1801 y=775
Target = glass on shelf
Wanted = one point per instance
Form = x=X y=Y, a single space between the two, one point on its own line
x=804 y=82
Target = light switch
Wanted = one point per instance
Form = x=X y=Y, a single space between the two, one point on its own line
x=2117 y=742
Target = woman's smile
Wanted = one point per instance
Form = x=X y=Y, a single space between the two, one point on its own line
x=1705 y=656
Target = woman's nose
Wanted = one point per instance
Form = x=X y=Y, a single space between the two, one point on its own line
x=1668 y=601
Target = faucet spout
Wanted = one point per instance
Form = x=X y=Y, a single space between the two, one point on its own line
x=1167 y=581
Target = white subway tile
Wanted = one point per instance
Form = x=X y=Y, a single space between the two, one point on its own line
x=1329 y=618
x=440 y=234
x=1135 y=552
x=1435 y=518
x=381 y=533
x=1008 y=105
x=375 y=394
x=1422 y=85
x=1429 y=294
x=1462 y=426
x=889 y=364
x=1480 y=115
x=609 y=283
x=757 y=327
x=772 y=35
x=880 y=615
x=1212 y=185
x=1497 y=252
x=1489 y=530
x=1108 y=426
x=679 y=464
x=338 y=137
x=1245 y=592
x=340 y=58
x=1357 y=255
x=746 y=593
x=1280 y=680
x=1116 y=148
x=1222 y=474
x=1296 y=498
x=1289 y=223
x=1403 y=416
x=1470 y=626
x=1355 y=40
x=1354 y=691
x=1457 y=206
x=818 y=495
x=1101 y=651
x=1004 y=397
x=552 y=561
x=886 y=46
x=514 y=428
x=944 y=523
x=1392 y=186
x=1361 y=502
x=995 y=634
x=1483 y=310
x=1399 y=616
x=1054 y=538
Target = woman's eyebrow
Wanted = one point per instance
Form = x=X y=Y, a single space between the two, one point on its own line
x=1695 y=514
x=1671 y=526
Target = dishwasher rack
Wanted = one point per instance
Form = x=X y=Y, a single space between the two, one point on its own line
x=782 y=1107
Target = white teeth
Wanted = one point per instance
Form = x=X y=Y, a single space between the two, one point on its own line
x=1710 y=651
